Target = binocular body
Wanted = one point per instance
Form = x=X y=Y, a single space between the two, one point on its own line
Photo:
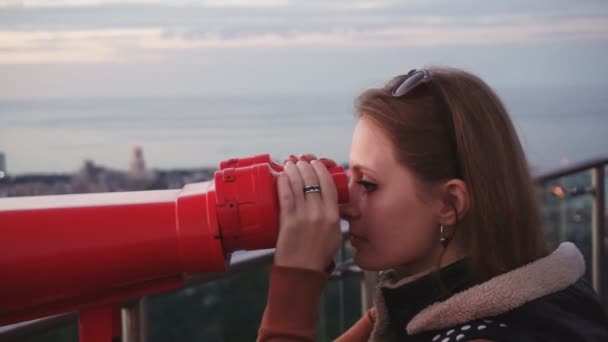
x=73 y=252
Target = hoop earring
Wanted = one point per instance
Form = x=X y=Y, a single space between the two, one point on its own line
x=444 y=239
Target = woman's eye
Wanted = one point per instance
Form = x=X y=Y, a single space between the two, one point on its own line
x=367 y=186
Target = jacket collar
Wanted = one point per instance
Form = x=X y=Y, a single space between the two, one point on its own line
x=498 y=295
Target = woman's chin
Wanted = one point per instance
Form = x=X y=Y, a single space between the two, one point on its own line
x=366 y=263
x=369 y=261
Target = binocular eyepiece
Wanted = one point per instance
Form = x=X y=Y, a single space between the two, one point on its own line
x=247 y=204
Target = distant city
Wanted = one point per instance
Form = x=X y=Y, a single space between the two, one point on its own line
x=92 y=177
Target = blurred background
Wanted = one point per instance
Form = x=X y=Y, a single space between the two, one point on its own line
x=106 y=95
x=194 y=82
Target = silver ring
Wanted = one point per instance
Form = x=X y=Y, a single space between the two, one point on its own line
x=312 y=188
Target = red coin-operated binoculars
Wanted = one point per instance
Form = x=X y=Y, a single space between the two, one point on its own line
x=90 y=252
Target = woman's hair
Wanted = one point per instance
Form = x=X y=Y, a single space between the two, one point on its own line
x=502 y=229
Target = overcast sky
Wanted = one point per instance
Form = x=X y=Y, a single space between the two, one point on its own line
x=90 y=48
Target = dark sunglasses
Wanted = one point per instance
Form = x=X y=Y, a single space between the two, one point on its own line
x=413 y=80
x=416 y=78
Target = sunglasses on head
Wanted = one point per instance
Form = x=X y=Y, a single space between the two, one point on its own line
x=413 y=80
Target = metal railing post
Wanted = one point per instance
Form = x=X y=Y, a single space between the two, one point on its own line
x=134 y=327
x=598 y=235
x=342 y=314
x=563 y=216
x=368 y=288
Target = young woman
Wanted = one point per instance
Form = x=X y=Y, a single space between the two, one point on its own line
x=443 y=204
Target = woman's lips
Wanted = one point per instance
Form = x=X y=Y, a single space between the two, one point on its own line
x=360 y=237
x=357 y=240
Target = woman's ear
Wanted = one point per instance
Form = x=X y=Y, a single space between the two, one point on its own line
x=454 y=202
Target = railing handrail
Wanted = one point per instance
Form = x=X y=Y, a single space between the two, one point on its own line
x=15 y=332
x=577 y=167
x=598 y=213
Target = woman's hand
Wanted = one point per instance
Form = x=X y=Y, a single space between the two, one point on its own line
x=309 y=223
x=310 y=157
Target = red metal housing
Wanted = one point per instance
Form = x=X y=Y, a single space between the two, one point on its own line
x=90 y=252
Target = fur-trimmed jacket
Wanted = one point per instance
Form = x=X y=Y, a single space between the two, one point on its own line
x=546 y=300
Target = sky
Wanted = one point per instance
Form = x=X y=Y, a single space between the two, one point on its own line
x=107 y=51
x=108 y=48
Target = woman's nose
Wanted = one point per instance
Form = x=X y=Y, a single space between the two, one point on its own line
x=350 y=210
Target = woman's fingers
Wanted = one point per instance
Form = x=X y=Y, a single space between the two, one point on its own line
x=330 y=195
x=291 y=158
x=308 y=157
x=309 y=176
x=328 y=163
x=295 y=181
x=309 y=233
x=286 y=199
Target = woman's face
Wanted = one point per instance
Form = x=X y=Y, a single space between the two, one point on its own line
x=391 y=223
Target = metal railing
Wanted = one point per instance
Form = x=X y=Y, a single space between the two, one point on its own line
x=19 y=331
x=599 y=239
x=134 y=327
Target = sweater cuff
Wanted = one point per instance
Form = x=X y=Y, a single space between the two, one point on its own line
x=293 y=300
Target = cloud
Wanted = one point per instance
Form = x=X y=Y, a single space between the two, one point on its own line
x=109 y=31
x=93 y=46
x=89 y=3
x=150 y=44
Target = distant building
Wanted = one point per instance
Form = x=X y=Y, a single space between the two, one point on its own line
x=89 y=170
x=137 y=168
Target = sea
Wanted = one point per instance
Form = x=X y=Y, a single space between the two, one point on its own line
x=556 y=125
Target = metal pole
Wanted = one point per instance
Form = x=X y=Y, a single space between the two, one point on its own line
x=143 y=319
x=598 y=232
x=563 y=215
x=134 y=321
x=368 y=287
x=341 y=289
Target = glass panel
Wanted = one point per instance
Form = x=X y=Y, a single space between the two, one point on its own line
x=231 y=309
x=66 y=333
x=566 y=205
x=341 y=302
